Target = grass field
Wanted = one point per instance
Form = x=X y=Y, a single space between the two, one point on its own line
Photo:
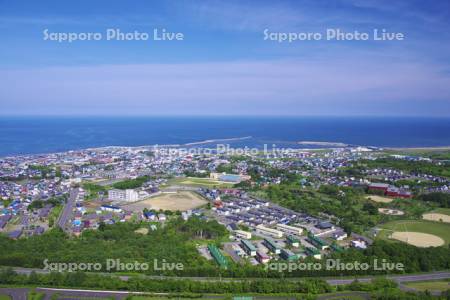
x=5 y=297
x=33 y=295
x=440 y=285
x=445 y=211
x=438 y=229
x=169 y=201
x=200 y=182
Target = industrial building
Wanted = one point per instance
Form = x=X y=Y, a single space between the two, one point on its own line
x=248 y=247
x=289 y=229
x=243 y=234
x=288 y=254
x=262 y=258
x=317 y=242
x=272 y=246
x=218 y=256
x=313 y=252
x=229 y=177
x=269 y=231
x=336 y=248
x=293 y=241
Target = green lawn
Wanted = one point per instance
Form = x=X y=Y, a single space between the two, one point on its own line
x=54 y=215
x=33 y=295
x=203 y=182
x=5 y=297
x=439 y=229
x=440 y=285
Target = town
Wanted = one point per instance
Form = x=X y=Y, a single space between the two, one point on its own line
x=82 y=190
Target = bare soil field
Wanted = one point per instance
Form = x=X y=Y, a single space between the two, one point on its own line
x=418 y=239
x=436 y=217
x=181 y=201
x=142 y=230
x=379 y=199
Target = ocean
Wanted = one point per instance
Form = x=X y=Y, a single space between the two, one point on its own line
x=32 y=135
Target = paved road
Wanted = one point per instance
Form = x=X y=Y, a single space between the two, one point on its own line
x=420 y=277
x=229 y=249
x=68 y=209
x=331 y=281
x=15 y=293
x=66 y=294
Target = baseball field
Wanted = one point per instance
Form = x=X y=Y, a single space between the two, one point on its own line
x=420 y=233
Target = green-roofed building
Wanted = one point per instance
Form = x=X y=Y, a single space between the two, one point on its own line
x=293 y=241
x=317 y=242
x=218 y=256
x=248 y=247
x=313 y=252
x=272 y=246
x=288 y=254
x=337 y=248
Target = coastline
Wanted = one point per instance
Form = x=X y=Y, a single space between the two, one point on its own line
x=430 y=148
x=332 y=146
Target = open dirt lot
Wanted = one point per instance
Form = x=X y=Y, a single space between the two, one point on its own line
x=169 y=201
x=380 y=199
x=418 y=239
x=436 y=217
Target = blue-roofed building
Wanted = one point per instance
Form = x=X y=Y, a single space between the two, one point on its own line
x=113 y=208
x=15 y=234
x=149 y=215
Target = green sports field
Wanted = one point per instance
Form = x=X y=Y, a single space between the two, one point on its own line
x=441 y=230
x=201 y=182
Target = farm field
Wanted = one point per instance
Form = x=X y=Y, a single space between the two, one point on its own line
x=379 y=199
x=439 y=230
x=169 y=201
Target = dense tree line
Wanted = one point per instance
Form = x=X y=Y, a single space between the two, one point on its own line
x=54 y=201
x=441 y=199
x=96 y=281
x=131 y=183
x=353 y=213
x=379 y=288
x=177 y=242
x=173 y=243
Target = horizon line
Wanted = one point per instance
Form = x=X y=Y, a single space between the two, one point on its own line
x=220 y=115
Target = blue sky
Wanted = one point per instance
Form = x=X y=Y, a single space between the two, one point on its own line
x=224 y=65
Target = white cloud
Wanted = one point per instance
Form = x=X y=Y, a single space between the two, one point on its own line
x=282 y=87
